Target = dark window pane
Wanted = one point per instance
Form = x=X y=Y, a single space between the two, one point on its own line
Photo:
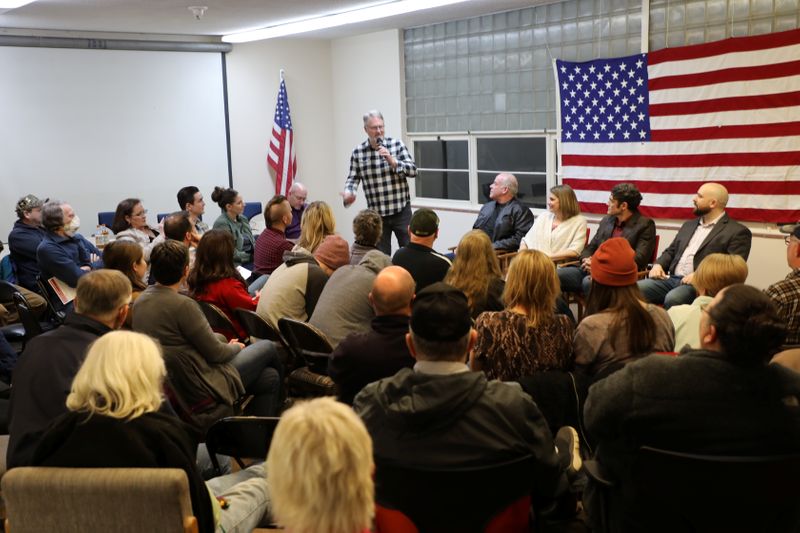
x=441 y=154
x=528 y=154
x=445 y=185
x=532 y=189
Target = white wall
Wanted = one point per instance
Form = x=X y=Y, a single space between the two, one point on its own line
x=330 y=85
x=253 y=80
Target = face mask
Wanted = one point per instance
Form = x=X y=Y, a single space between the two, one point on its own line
x=72 y=228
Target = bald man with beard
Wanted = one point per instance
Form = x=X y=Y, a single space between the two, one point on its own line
x=362 y=358
x=670 y=280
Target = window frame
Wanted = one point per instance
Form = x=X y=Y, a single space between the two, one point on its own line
x=472 y=138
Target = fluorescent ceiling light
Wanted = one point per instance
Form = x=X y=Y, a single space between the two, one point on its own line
x=391 y=9
x=13 y=4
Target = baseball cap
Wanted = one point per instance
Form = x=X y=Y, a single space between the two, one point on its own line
x=791 y=229
x=424 y=222
x=29 y=202
x=440 y=312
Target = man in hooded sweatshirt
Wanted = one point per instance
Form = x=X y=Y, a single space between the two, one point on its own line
x=440 y=414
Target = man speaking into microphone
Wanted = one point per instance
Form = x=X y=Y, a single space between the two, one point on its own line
x=382 y=164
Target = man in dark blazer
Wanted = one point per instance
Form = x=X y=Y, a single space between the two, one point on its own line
x=713 y=232
x=623 y=220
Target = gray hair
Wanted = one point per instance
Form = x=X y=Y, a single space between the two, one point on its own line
x=510 y=181
x=52 y=215
x=372 y=113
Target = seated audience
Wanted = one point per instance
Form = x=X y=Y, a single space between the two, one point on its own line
x=715 y=272
x=381 y=351
x=527 y=336
x=64 y=253
x=723 y=399
x=344 y=307
x=623 y=220
x=44 y=373
x=272 y=242
x=113 y=421
x=319 y=470
x=234 y=222
x=670 y=280
x=207 y=376
x=128 y=258
x=317 y=223
x=214 y=279
x=561 y=232
x=476 y=272
x=440 y=414
x=620 y=326
x=190 y=199
x=368 y=229
x=424 y=264
x=294 y=288
x=130 y=224
x=297 y=200
x=786 y=293
x=504 y=218
x=24 y=239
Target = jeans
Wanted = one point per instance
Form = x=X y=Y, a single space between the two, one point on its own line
x=668 y=291
x=257 y=285
x=397 y=224
x=247 y=496
x=261 y=371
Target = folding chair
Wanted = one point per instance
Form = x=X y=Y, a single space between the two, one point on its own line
x=492 y=498
x=218 y=320
x=240 y=437
x=308 y=345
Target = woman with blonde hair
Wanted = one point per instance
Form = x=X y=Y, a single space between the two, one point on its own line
x=714 y=273
x=476 y=272
x=527 y=337
x=319 y=469
x=620 y=327
x=561 y=232
x=114 y=421
x=317 y=223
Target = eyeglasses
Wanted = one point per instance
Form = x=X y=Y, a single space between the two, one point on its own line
x=143 y=213
x=706 y=308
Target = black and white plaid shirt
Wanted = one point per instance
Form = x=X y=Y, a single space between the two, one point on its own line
x=786 y=295
x=386 y=189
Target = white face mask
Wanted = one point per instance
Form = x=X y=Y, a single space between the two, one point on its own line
x=72 y=228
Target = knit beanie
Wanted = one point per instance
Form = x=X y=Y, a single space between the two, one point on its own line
x=613 y=263
x=333 y=251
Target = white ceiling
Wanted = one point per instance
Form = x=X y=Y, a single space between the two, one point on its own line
x=172 y=17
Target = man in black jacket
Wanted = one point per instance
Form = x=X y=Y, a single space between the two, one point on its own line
x=43 y=376
x=623 y=220
x=670 y=280
x=505 y=220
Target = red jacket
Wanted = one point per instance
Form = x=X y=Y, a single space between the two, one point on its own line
x=229 y=294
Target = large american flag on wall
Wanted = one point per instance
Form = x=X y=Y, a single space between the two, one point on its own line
x=280 y=155
x=726 y=111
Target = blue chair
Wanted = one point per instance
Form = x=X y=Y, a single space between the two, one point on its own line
x=252 y=209
x=105 y=217
x=161 y=216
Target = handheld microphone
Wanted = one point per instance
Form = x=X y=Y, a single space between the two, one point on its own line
x=379 y=141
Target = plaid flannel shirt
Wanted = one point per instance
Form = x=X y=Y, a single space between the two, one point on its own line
x=386 y=189
x=786 y=295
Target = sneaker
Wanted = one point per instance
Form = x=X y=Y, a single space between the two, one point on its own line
x=568 y=444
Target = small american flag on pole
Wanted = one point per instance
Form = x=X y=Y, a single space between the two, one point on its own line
x=668 y=121
x=281 y=156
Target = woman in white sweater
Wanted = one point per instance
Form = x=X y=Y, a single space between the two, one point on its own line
x=560 y=233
